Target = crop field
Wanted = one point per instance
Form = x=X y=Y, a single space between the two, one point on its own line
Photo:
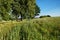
x=34 y=29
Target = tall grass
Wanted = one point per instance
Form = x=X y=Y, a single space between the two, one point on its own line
x=35 y=29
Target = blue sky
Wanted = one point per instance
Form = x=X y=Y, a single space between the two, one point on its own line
x=49 y=7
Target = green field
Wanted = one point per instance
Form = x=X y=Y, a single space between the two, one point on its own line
x=33 y=29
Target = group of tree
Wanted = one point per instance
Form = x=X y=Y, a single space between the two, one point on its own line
x=25 y=9
x=45 y=16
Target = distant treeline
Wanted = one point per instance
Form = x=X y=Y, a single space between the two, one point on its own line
x=44 y=16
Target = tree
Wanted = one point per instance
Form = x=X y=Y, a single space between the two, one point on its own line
x=24 y=8
x=19 y=8
x=37 y=10
x=5 y=7
x=45 y=16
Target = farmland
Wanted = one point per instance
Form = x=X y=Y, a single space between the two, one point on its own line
x=34 y=29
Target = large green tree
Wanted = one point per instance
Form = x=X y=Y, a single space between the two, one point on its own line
x=19 y=8
x=23 y=8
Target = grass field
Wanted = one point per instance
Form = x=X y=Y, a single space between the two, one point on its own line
x=35 y=29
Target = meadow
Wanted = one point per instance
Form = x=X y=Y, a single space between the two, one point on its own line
x=34 y=29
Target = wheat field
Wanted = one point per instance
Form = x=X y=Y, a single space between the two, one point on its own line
x=34 y=29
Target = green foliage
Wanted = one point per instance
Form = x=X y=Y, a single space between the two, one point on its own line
x=36 y=29
x=24 y=8
x=37 y=10
x=45 y=16
x=20 y=7
x=5 y=8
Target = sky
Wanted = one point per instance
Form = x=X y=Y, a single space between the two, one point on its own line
x=49 y=7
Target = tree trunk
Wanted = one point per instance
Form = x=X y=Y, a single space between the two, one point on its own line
x=21 y=17
x=16 y=18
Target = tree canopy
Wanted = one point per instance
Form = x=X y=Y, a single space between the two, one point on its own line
x=24 y=8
